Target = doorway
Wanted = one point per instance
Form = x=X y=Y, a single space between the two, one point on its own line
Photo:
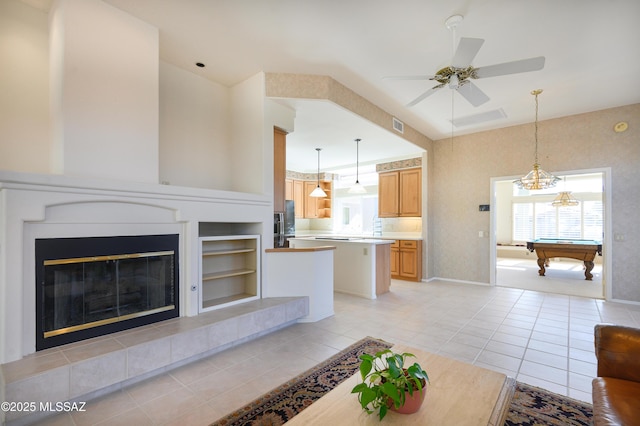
x=518 y=216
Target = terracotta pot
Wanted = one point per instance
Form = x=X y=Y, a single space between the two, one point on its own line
x=412 y=403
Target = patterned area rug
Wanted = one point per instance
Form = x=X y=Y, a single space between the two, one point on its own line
x=282 y=403
x=532 y=406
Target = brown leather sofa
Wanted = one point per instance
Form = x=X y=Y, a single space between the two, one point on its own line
x=616 y=390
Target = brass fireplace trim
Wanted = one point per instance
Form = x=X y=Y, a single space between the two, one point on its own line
x=105 y=258
x=106 y=321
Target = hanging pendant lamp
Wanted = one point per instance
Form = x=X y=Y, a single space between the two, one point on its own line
x=357 y=188
x=318 y=192
x=536 y=178
x=564 y=198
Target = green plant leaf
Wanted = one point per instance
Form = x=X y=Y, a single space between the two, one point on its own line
x=417 y=372
x=386 y=351
x=359 y=387
x=367 y=396
x=391 y=391
x=383 y=412
x=365 y=367
x=394 y=370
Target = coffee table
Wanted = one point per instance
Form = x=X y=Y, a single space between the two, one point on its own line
x=458 y=394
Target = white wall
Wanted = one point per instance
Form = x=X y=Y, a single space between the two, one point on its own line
x=194 y=130
x=24 y=85
x=504 y=191
x=104 y=78
x=249 y=172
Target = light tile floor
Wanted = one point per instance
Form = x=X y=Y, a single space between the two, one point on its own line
x=539 y=338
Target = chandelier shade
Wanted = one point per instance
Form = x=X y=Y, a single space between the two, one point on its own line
x=536 y=178
x=565 y=199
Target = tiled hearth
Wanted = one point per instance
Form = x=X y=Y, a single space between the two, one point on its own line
x=84 y=370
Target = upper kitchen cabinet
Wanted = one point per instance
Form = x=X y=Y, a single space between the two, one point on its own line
x=317 y=208
x=279 y=168
x=307 y=207
x=400 y=193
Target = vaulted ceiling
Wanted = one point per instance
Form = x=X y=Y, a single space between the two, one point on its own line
x=590 y=49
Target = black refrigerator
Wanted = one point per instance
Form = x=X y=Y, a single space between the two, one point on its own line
x=284 y=225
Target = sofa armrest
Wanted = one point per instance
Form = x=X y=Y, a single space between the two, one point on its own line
x=618 y=351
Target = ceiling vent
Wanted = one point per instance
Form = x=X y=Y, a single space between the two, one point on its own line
x=398 y=125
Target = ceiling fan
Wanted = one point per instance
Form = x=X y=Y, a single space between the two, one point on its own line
x=458 y=75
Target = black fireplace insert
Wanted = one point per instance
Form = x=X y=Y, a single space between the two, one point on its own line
x=88 y=287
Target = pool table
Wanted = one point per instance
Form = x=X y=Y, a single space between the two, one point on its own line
x=584 y=250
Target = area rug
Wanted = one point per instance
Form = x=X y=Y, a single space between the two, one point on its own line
x=530 y=406
x=282 y=403
x=533 y=406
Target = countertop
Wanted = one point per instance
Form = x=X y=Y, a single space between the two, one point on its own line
x=298 y=250
x=393 y=236
x=342 y=240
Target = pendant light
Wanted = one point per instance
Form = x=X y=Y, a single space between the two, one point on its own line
x=357 y=188
x=536 y=178
x=318 y=192
x=564 y=198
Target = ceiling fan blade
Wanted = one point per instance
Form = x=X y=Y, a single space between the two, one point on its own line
x=473 y=94
x=424 y=95
x=408 y=77
x=467 y=50
x=515 y=67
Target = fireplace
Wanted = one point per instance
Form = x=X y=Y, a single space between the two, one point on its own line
x=88 y=287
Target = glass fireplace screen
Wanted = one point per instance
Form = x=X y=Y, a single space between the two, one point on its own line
x=84 y=292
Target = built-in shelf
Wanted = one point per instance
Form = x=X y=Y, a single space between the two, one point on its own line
x=224 y=274
x=223 y=252
x=226 y=301
x=229 y=270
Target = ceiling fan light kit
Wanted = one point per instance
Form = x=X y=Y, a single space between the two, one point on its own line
x=536 y=178
x=459 y=74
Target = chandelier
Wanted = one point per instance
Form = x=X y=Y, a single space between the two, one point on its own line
x=564 y=199
x=536 y=178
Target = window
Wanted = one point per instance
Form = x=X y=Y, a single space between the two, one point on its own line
x=355 y=213
x=533 y=216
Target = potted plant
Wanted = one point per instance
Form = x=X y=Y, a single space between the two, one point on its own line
x=387 y=384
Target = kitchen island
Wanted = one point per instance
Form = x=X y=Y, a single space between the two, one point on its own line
x=361 y=266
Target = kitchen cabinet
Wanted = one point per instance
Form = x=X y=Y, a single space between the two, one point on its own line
x=400 y=193
x=395 y=259
x=406 y=260
x=294 y=190
x=229 y=270
x=305 y=206
x=279 y=168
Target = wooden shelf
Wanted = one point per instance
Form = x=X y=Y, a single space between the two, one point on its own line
x=225 y=252
x=225 y=274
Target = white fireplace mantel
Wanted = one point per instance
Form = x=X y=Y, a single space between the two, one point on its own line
x=53 y=206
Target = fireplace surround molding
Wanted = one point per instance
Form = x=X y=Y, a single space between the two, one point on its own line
x=46 y=206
